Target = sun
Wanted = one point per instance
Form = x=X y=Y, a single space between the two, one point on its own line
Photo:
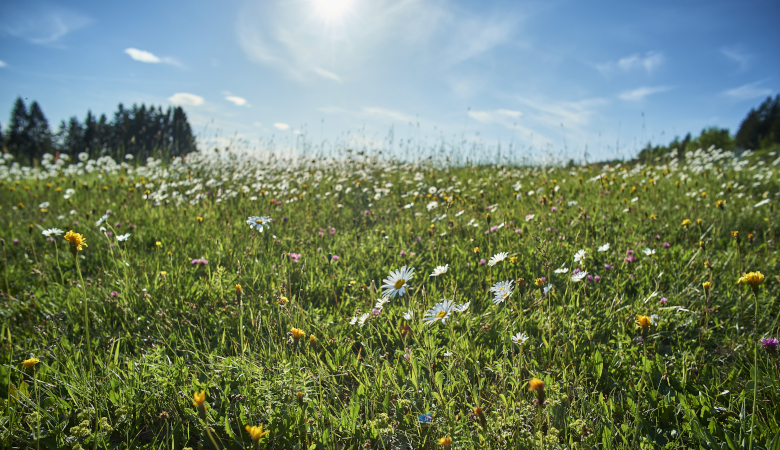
x=332 y=9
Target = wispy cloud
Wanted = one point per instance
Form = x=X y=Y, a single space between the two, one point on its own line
x=749 y=91
x=40 y=22
x=326 y=74
x=281 y=126
x=639 y=94
x=738 y=55
x=501 y=116
x=148 y=57
x=2 y=63
x=390 y=114
x=185 y=99
x=238 y=101
x=272 y=33
x=649 y=62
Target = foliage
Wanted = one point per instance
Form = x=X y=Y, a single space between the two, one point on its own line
x=761 y=127
x=139 y=131
x=166 y=320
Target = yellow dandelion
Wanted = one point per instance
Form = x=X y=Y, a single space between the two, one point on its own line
x=256 y=432
x=76 y=241
x=446 y=441
x=706 y=285
x=282 y=300
x=199 y=399
x=539 y=282
x=158 y=243
x=28 y=363
x=752 y=279
x=643 y=322
x=686 y=222
x=297 y=333
x=535 y=385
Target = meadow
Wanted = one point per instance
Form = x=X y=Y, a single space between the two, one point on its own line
x=363 y=302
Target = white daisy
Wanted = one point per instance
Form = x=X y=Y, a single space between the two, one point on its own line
x=604 y=247
x=123 y=237
x=579 y=256
x=655 y=320
x=547 y=289
x=409 y=315
x=101 y=220
x=441 y=270
x=501 y=291
x=258 y=223
x=359 y=320
x=648 y=252
x=497 y=258
x=397 y=282
x=380 y=303
x=52 y=232
x=463 y=307
x=561 y=270
x=579 y=276
x=441 y=311
x=460 y=213
x=44 y=205
x=432 y=205
x=519 y=338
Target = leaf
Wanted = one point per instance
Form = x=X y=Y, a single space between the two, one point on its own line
x=775 y=444
x=598 y=361
x=440 y=381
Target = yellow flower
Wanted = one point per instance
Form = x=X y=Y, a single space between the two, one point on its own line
x=199 y=219
x=163 y=273
x=643 y=322
x=446 y=441
x=476 y=249
x=703 y=194
x=686 y=222
x=513 y=259
x=312 y=339
x=706 y=285
x=719 y=204
x=698 y=221
x=158 y=243
x=198 y=399
x=653 y=216
x=535 y=385
x=256 y=432
x=735 y=234
x=297 y=333
x=239 y=291
x=76 y=241
x=752 y=279
x=282 y=300
x=539 y=282
x=28 y=363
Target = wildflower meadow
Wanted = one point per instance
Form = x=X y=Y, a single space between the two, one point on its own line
x=224 y=301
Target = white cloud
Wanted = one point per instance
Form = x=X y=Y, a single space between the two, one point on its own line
x=642 y=92
x=749 y=91
x=40 y=22
x=502 y=116
x=389 y=114
x=238 y=101
x=148 y=57
x=281 y=126
x=2 y=63
x=737 y=55
x=325 y=74
x=651 y=61
x=185 y=99
x=141 y=55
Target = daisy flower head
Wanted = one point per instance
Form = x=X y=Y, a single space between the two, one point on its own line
x=529 y=217
x=397 y=282
x=520 y=338
x=408 y=315
x=497 y=258
x=101 y=220
x=380 y=303
x=359 y=320
x=604 y=247
x=258 y=223
x=546 y=290
x=501 y=291
x=462 y=307
x=52 y=232
x=648 y=252
x=440 y=270
x=579 y=256
x=441 y=310
x=123 y=237
x=561 y=270
x=579 y=276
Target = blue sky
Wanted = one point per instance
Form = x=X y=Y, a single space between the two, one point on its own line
x=561 y=77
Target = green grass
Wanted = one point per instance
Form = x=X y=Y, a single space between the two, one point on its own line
x=172 y=329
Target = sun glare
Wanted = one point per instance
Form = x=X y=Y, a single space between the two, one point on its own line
x=332 y=8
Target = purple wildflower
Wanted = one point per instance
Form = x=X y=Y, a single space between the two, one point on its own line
x=770 y=344
x=482 y=262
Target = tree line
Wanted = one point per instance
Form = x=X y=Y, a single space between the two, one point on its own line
x=140 y=131
x=759 y=131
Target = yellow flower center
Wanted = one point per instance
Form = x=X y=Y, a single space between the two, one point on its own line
x=400 y=283
x=441 y=314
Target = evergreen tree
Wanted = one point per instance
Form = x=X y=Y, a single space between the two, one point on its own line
x=761 y=127
x=18 y=141
x=38 y=132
